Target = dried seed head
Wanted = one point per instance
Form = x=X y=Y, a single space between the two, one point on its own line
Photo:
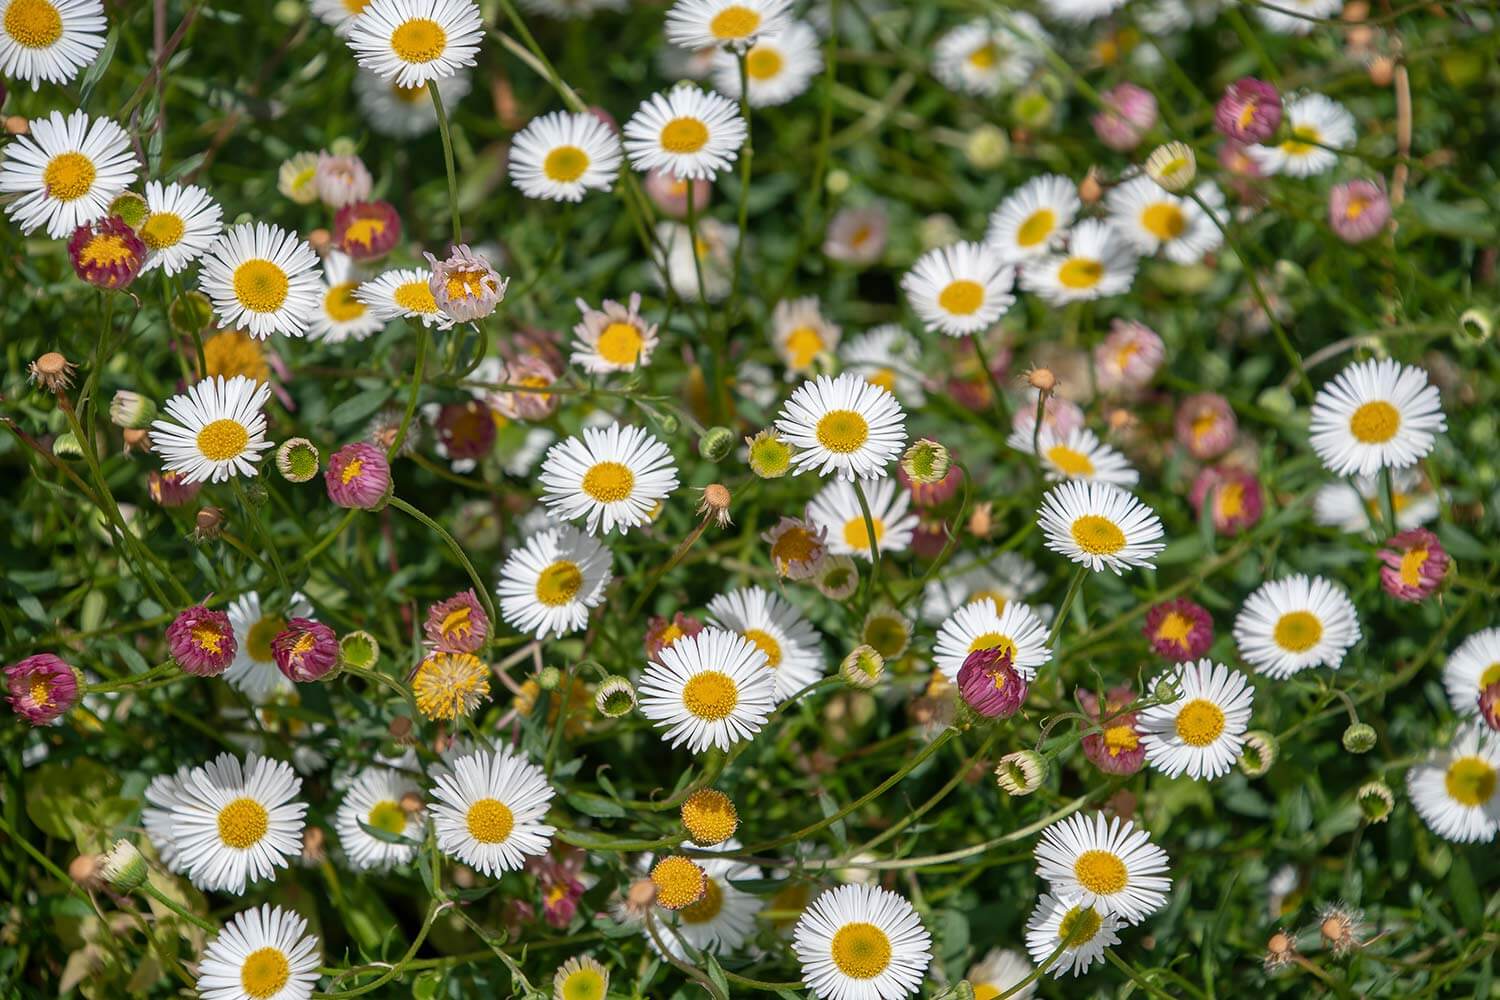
x=52 y=372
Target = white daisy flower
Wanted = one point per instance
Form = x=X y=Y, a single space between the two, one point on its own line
x=1100 y=526
x=719 y=923
x=216 y=430
x=404 y=293
x=162 y=795
x=1291 y=624
x=375 y=799
x=581 y=977
x=180 y=225
x=836 y=510
x=1033 y=219
x=697 y=24
x=560 y=156
x=1001 y=971
x=695 y=270
x=1317 y=126
x=981 y=58
x=234 y=824
x=1201 y=732
x=889 y=357
x=686 y=132
x=49 y=39
x=843 y=425
x=614 y=338
x=995 y=577
x=801 y=335
x=413 y=41
x=1454 y=791
x=1354 y=506
x=261 y=279
x=261 y=954
x=959 y=289
x=548 y=585
x=1286 y=21
x=65 y=172
x=1153 y=220
x=710 y=689
x=405 y=112
x=1471 y=668
x=254 y=669
x=1097 y=262
x=338 y=14
x=488 y=811
x=1086 y=931
x=1106 y=864
x=1374 y=415
x=612 y=478
x=1080 y=11
x=861 y=942
x=979 y=625
x=793 y=648
x=1079 y=454
x=339 y=315
x=778 y=67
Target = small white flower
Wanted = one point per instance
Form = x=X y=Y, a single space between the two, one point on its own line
x=1081 y=455
x=1033 y=219
x=1099 y=526
x=1289 y=625
x=889 y=357
x=1318 y=127
x=612 y=478
x=1200 y=733
x=710 y=689
x=1374 y=415
x=793 y=648
x=837 y=511
x=1097 y=262
x=65 y=171
x=375 y=799
x=561 y=156
x=216 y=430
x=861 y=942
x=262 y=279
x=404 y=293
x=1153 y=220
x=1085 y=930
x=1471 y=668
x=686 y=132
x=414 y=41
x=261 y=954
x=980 y=625
x=959 y=289
x=488 y=810
x=180 y=225
x=49 y=40
x=1455 y=790
x=233 y=824
x=844 y=426
x=1107 y=864
x=777 y=67
x=340 y=316
x=405 y=112
x=698 y=24
x=548 y=586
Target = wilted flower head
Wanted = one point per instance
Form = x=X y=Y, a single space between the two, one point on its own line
x=42 y=688
x=662 y=632
x=990 y=685
x=534 y=374
x=1340 y=926
x=714 y=504
x=1179 y=630
x=1281 y=951
x=856 y=236
x=1415 y=565
x=1358 y=210
x=1249 y=112
x=366 y=230
x=679 y=882
x=1234 y=496
x=836 y=576
x=458 y=624
x=451 y=685
x=1205 y=425
x=358 y=477
x=106 y=253
x=709 y=817
x=306 y=650
x=1129 y=357
x=466 y=430
x=465 y=286
x=670 y=194
x=797 y=547
x=341 y=180
x=52 y=371
x=202 y=641
x=1130 y=112
x=1118 y=748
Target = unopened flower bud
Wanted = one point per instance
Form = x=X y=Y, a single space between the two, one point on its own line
x=548 y=678
x=190 y=313
x=987 y=147
x=297 y=460
x=1258 y=753
x=123 y=867
x=131 y=409
x=1375 y=801
x=1089 y=189
x=926 y=462
x=862 y=668
x=1382 y=71
x=1172 y=166
x=615 y=697
x=1359 y=738
x=715 y=443
x=359 y=650
x=1476 y=325
x=130 y=207
x=66 y=445
x=1021 y=773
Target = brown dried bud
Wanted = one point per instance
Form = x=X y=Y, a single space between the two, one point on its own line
x=136 y=439
x=84 y=870
x=320 y=240
x=1356 y=11
x=1042 y=380
x=400 y=729
x=52 y=372
x=412 y=803
x=314 y=845
x=1089 y=189
x=1382 y=71
x=17 y=125
x=981 y=520
x=715 y=503
x=208 y=524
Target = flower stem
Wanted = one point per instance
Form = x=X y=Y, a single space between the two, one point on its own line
x=442 y=117
x=1074 y=586
x=458 y=553
x=411 y=400
x=864 y=509
x=150 y=890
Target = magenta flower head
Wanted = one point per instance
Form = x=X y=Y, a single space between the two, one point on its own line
x=1129 y=358
x=1130 y=112
x=106 y=253
x=1206 y=425
x=366 y=229
x=168 y=489
x=358 y=476
x=662 y=632
x=466 y=430
x=457 y=625
x=1358 y=210
x=1249 y=112
x=1179 y=630
x=1415 y=565
x=1234 y=495
x=1118 y=748
x=305 y=650
x=42 y=688
x=990 y=685
x=202 y=641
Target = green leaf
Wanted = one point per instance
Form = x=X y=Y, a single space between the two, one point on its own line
x=1465 y=895
x=591 y=804
x=92 y=75
x=359 y=406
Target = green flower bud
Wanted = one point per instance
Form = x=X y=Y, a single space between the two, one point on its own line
x=297 y=460
x=130 y=207
x=615 y=697
x=548 y=678
x=926 y=462
x=1359 y=738
x=1375 y=801
x=1021 y=773
x=359 y=650
x=123 y=867
x=66 y=445
x=715 y=443
x=190 y=313
x=1476 y=325
x=862 y=668
x=131 y=410
x=1258 y=753
x=987 y=147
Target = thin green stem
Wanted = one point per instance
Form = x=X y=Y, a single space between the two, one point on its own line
x=458 y=553
x=1074 y=586
x=442 y=117
x=411 y=399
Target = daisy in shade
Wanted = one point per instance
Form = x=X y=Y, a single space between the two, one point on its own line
x=262 y=279
x=1179 y=630
x=1106 y=864
x=888 y=357
x=1081 y=455
x=49 y=39
x=64 y=171
x=861 y=942
x=699 y=24
x=254 y=669
x=959 y=289
x=488 y=811
x=998 y=578
x=234 y=824
x=614 y=338
x=1455 y=790
x=1355 y=506
x=722 y=920
x=982 y=57
x=548 y=586
x=1375 y=415
x=180 y=224
x=1001 y=971
x=261 y=954
x=1100 y=526
x=793 y=649
x=1200 y=733
x=216 y=430
x=339 y=315
x=844 y=426
x=1033 y=219
x=777 y=67
x=611 y=478
x=1016 y=630
x=1298 y=17
x=1317 y=126
x=1152 y=220
x=405 y=293
x=1080 y=11
x=686 y=132
x=380 y=798
x=796 y=547
x=1097 y=262
x=1288 y=625
x=581 y=977
x=561 y=156
x=801 y=335
x=1471 y=668
x=405 y=112
x=837 y=512
x=1082 y=932
x=714 y=688
x=414 y=41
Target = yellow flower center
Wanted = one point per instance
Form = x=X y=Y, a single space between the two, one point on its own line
x=457 y=622
x=34 y=24
x=222 y=440
x=843 y=431
x=684 y=135
x=340 y=303
x=861 y=950
x=763 y=63
x=709 y=816
x=265 y=972
x=962 y=297
x=208 y=639
x=364 y=232
x=1175 y=628
x=1412 y=561
x=462 y=285
x=1037 y=227
x=235 y=352
x=886 y=635
x=1247 y=113
x=608 y=482
x=1098 y=536
x=1120 y=739
x=242 y=823
x=565 y=164
x=260 y=285
x=1080 y=272
x=68 y=176
x=670 y=634
x=41 y=695
x=356 y=7
x=351 y=471
x=1305 y=138
x=988 y=594
x=1229 y=499
x=415 y=297
x=984 y=57
x=1079 y=925
x=794 y=545
x=766 y=644
x=885 y=378
x=559 y=583
x=1357 y=206
x=710 y=695
x=490 y=821
x=679 y=882
x=258 y=639
x=1375 y=422
x=1069 y=461
x=620 y=344
x=450 y=685
x=419 y=40
x=1100 y=872
x=162 y=230
x=1200 y=722
x=1163 y=220
x=993 y=640
x=855 y=535
x=1298 y=631
x=1470 y=781
x=1490 y=676
x=804 y=344
x=984 y=991
x=706 y=908
x=1171 y=168
x=583 y=984
x=104 y=250
x=733 y=23
x=388 y=816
